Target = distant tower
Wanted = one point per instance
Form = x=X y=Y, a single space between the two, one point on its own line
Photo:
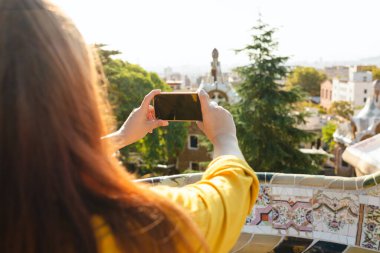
x=214 y=84
x=214 y=64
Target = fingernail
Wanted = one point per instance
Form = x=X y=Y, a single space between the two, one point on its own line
x=203 y=92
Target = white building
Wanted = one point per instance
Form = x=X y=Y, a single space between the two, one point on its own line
x=356 y=90
x=176 y=81
x=365 y=124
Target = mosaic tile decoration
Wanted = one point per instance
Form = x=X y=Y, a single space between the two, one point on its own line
x=262 y=213
x=370 y=237
x=335 y=212
x=326 y=247
x=291 y=211
x=328 y=213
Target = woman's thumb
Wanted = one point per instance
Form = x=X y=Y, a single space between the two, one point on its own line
x=204 y=99
x=157 y=123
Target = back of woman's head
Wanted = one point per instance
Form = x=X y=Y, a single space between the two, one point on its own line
x=55 y=174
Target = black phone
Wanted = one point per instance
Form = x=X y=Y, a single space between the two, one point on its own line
x=178 y=106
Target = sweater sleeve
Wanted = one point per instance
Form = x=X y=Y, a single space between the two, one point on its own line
x=220 y=201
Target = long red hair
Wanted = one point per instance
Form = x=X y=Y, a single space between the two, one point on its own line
x=56 y=174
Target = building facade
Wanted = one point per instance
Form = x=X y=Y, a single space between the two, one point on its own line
x=365 y=124
x=357 y=89
x=194 y=155
x=326 y=94
x=176 y=81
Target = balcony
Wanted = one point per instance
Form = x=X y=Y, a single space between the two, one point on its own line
x=305 y=213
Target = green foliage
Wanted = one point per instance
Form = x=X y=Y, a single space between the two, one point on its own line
x=322 y=110
x=327 y=135
x=128 y=84
x=376 y=74
x=266 y=116
x=308 y=78
x=175 y=139
x=205 y=142
x=374 y=69
x=342 y=109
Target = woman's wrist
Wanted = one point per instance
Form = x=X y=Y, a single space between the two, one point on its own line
x=227 y=144
x=116 y=139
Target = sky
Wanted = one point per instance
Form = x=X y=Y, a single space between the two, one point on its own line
x=179 y=33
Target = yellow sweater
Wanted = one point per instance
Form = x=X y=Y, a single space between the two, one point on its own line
x=219 y=203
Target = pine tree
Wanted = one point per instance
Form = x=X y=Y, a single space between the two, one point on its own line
x=266 y=117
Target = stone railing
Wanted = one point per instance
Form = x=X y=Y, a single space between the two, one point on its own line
x=306 y=213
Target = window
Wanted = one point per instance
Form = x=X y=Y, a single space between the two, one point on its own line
x=364 y=79
x=194 y=166
x=365 y=100
x=365 y=91
x=193 y=142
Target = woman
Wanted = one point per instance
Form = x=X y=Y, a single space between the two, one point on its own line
x=61 y=190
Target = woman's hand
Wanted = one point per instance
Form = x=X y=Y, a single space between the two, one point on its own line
x=140 y=122
x=219 y=127
x=217 y=121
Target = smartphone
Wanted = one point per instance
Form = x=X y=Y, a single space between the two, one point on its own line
x=178 y=106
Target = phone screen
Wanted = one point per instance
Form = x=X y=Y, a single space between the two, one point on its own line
x=178 y=106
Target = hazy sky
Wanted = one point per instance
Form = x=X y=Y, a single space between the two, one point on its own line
x=160 y=33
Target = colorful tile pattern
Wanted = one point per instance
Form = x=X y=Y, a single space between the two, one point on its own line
x=370 y=237
x=331 y=216
x=290 y=211
x=335 y=212
x=261 y=214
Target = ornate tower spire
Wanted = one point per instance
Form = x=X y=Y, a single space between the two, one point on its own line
x=218 y=88
x=214 y=64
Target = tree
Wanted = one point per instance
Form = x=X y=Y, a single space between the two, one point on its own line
x=372 y=68
x=342 y=109
x=376 y=74
x=308 y=78
x=128 y=84
x=327 y=135
x=266 y=116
